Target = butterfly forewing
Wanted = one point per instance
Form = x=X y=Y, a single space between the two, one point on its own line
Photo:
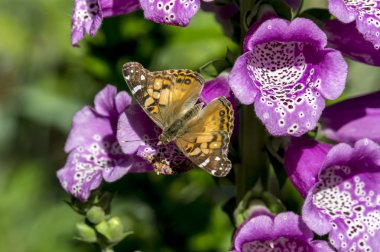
x=164 y=95
x=207 y=138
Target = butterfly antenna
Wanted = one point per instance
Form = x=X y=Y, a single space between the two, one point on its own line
x=139 y=140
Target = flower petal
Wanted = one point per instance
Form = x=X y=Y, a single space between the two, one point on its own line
x=240 y=82
x=347 y=39
x=339 y=10
x=345 y=121
x=216 y=88
x=87 y=17
x=332 y=69
x=366 y=13
x=86 y=125
x=346 y=197
x=172 y=12
x=303 y=160
x=79 y=176
x=276 y=29
x=111 y=8
x=290 y=102
x=285 y=232
x=135 y=129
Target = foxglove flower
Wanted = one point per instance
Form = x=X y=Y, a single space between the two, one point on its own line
x=345 y=201
x=366 y=13
x=353 y=119
x=347 y=39
x=172 y=12
x=94 y=153
x=303 y=160
x=285 y=232
x=88 y=15
x=286 y=71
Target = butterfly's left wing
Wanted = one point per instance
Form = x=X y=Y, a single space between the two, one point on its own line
x=164 y=95
x=207 y=138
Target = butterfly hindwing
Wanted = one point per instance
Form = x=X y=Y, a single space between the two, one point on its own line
x=207 y=138
x=164 y=95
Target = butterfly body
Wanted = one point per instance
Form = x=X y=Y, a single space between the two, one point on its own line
x=170 y=99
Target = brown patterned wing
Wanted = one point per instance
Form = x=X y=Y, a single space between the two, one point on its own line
x=164 y=95
x=207 y=138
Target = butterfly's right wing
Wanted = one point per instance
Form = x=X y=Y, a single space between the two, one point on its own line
x=164 y=95
x=207 y=137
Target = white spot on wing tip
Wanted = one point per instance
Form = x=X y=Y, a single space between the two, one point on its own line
x=142 y=77
x=205 y=163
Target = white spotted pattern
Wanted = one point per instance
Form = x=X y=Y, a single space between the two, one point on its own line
x=286 y=81
x=353 y=208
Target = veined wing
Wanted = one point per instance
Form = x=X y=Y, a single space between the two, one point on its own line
x=164 y=95
x=207 y=138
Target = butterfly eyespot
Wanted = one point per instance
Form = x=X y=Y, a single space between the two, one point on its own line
x=187 y=81
x=222 y=113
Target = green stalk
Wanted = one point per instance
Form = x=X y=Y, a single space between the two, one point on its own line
x=252 y=140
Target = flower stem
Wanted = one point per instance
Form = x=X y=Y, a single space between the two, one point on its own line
x=252 y=139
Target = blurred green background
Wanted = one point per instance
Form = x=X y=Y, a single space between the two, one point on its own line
x=44 y=81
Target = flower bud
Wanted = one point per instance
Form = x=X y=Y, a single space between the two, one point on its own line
x=95 y=215
x=85 y=232
x=111 y=229
x=115 y=229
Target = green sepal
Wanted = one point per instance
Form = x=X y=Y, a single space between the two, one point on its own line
x=85 y=233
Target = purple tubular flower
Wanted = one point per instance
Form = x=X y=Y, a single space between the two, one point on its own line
x=94 y=153
x=286 y=71
x=347 y=39
x=303 y=160
x=172 y=12
x=138 y=135
x=353 y=119
x=285 y=232
x=345 y=201
x=365 y=12
x=88 y=15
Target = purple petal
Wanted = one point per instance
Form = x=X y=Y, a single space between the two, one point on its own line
x=347 y=39
x=111 y=8
x=102 y=121
x=346 y=198
x=339 y=9
x=86 y=18
x=303 y=160
x=240 y=82
x=366 y=14
x=332 y=70
x=109 y=103
x=276 y=29
x=286 y=70
x=172 y=12
x=257 y=228
x=285 y=232
x=86 y=125
x=135 y=129
x=345 y=121
x=216 y=88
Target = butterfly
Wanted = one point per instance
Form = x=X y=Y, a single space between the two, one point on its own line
x=170 y=98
